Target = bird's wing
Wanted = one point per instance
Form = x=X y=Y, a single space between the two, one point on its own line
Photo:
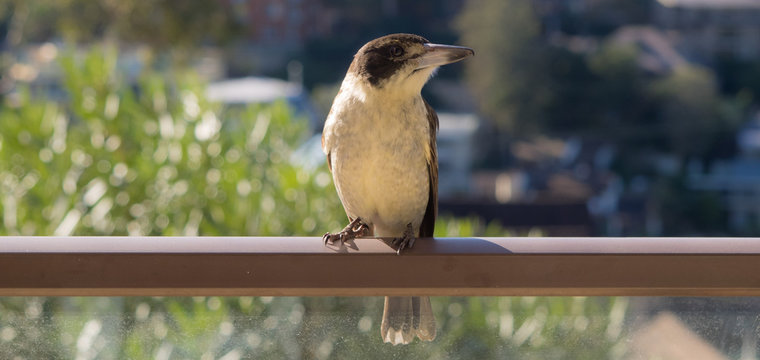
x=428 y=221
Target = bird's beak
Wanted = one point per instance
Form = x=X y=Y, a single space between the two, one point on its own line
x=437 y=55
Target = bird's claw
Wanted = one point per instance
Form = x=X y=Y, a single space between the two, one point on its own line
x=406 y=241
x=354 y=229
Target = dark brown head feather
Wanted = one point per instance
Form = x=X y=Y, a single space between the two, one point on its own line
x=379 y=59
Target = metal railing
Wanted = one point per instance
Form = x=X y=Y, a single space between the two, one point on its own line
x=303 y=266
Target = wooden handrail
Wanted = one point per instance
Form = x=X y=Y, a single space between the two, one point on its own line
x=303 y=266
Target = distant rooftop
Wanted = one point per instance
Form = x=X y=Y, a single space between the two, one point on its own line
x=657 y=53
x=457 y=123
x=252 y=90
x=712 y=4
x=667 y=337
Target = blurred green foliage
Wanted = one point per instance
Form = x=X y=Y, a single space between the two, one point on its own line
x=306 y=328
x=156 y=158
x=158 y=23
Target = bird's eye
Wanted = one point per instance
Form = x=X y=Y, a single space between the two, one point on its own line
x=395 y=51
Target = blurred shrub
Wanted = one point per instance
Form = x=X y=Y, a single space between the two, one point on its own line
x=154 y=158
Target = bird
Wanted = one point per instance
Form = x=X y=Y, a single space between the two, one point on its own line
x=380 y=142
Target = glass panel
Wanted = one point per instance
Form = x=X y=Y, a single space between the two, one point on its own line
x=332 y=327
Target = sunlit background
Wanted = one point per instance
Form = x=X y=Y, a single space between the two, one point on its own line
x=575 y=118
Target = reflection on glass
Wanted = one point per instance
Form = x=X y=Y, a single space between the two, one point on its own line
x=332 y=327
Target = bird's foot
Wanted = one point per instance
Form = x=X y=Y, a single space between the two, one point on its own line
x=406 y=241
x=353 y=230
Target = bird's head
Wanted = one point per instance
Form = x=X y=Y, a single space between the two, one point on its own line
x=402 y=63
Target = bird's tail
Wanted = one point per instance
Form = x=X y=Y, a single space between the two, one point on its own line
x=405 y=317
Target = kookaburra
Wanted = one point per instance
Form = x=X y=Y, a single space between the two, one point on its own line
x=379 y=139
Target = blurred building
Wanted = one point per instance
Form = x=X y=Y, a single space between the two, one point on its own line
x=457 y=153
x=263 y=90
x=551 y=219
x=284 y=21
x=276 y=30
x=737 y=180
x=564 y=187
x=32 y=65
x=708 y=29
x=252 y=90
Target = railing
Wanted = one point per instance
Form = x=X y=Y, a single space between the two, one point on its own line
x=302 y=266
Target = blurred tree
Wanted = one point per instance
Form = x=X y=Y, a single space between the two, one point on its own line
x=508 y=74
x=160 y=23
x=684 y=212
x=681 y=112
x=526 y=86
x=739 y=77
x=619 y=91
x=570 y=109
x=690 y=112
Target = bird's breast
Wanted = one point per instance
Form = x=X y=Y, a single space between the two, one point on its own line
x=379 y=163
